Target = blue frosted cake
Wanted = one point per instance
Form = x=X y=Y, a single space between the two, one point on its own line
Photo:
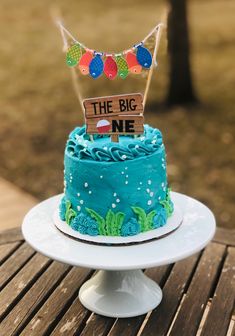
x=115 y=189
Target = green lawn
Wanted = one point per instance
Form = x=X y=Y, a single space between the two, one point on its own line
x=38 y=107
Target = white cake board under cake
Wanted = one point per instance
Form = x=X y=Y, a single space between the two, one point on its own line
x=121 y=289
x=172 y=224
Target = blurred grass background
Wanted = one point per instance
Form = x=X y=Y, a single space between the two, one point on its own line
x=38 y=106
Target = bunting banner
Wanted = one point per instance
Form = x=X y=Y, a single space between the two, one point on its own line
x=112 y=65
x=113 y=115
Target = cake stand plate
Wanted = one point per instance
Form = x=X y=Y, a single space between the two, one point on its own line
x=120 y=289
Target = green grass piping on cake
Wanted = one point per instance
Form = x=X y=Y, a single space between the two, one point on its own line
x=167 y=203
x=69 y=213
x=119 y=218
x=145 y=220
x=100 y=220
x=109 y=219
x=110 y=225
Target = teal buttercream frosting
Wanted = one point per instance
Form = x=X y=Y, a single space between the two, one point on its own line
x=85 y=225
x=62 y=208
x=111 y=179
x=130 y=228
x=160 y=218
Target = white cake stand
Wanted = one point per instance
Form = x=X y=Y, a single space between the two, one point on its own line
x=120 y=288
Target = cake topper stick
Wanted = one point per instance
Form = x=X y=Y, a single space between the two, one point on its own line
x=158 y=31
x=73 y=72
x=115 y=137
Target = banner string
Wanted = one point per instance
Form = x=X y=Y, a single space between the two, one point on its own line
x=73 y=71
x=65 y=31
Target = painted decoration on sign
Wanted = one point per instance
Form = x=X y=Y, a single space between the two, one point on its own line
x=125 y=124
x=128 y=104
x=103 y=126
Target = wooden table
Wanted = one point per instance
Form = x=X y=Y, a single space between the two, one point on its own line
x=39 y=296
x=15 y=203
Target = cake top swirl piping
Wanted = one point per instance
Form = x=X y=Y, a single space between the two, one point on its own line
x=102 y=149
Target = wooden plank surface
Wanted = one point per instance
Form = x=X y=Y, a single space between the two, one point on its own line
x=222 y=306
x=73 y=321
x=14 y=205
x=57 y=304
x=13 y=264
x=6 y=250
x=11 y=235
x=191 y=310
x=224 y=236
x=173 y=291
x=33 y=299
x=21 y=281
x=39 y=297
x=97 y=324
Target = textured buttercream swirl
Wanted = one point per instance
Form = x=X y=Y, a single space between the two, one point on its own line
x=102 y=149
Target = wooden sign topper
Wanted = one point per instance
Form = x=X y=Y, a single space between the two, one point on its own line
x=115 y=115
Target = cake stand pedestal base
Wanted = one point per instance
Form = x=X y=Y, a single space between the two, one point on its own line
x=120 y=293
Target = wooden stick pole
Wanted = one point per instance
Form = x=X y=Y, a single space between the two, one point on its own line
x=157 y=40
x=114 y=138
x=76 y=89
x=73 y=71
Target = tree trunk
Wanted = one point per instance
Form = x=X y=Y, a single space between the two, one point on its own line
x=180 y=89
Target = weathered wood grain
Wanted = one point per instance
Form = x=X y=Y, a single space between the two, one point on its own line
x=73 y=320
x=173 y=291
x=224 y=236
x=221 y=310
x=33 y=299
x=56 y=305
x=21 y=280
x=6 y=250
x=10 y=235
x=98 y=325
x=14 y=205
x=14 y=263
x=191 y=310
x=128 y=326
